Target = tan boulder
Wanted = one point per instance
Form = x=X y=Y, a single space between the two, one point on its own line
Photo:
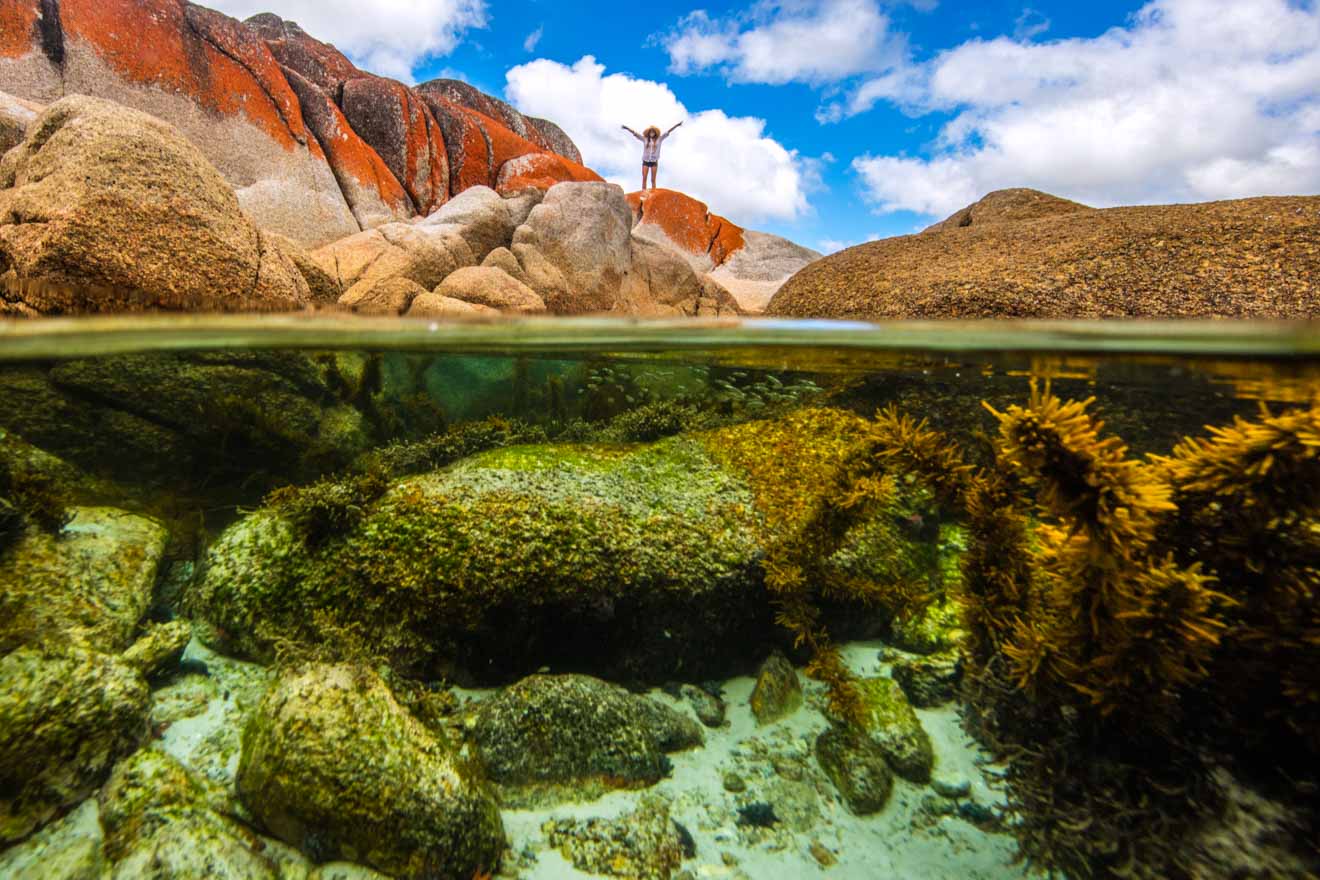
x=16 y=115
x=104 y=208
x=433 y=305
x=392 y=296
x=488 y=286
x=423 y=254
x=582 y=233
x=503 y=258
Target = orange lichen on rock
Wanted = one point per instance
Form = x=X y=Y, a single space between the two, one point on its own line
x=19 y=27
x=504 y=144
x=688 y=223
x=202 y=55
x=348 y=154
x=396 y=122
x=465 y=142
x=542 y=171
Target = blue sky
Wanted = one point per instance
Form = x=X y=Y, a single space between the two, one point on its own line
x=835 y=121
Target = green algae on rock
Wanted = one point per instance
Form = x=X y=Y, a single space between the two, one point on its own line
x=777 y=693
x=332 y=764
x=162 y=821
x=889 y=721
x=66 y=715
x=90 y=585
x=645 y=844
x=857 y=766
x=643 y=560
x=574 y=737
x=159 y=648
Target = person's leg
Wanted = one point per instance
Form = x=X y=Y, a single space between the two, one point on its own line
x=654 y=169
x=643 y=175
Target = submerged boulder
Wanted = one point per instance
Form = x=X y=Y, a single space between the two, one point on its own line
x=857 y=766
x=572 y=737
x=161 y=821
x=103 y=208
x=888 y=719
x=88 y=585
x=643 y=561
x=332 y=764
x=66 y=716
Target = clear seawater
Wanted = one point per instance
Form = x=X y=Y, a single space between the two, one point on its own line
x=475 y=504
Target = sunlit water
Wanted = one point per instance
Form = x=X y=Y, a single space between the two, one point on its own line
x=474 y=504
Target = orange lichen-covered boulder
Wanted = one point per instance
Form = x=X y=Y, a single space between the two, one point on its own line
x=541 y=171
x=320 y=63
x=399 y=126
x=687 y=224
x=173 y=59
x=373 y=193
x=466 y=144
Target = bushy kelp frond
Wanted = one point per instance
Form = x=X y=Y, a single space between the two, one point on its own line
x=329 y=507
x=910 y=447
x=1080 y=476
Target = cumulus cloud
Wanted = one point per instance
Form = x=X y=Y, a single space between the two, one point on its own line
x=729 y=162
x=1191 y=100
x=388 y=37
x=780 y=41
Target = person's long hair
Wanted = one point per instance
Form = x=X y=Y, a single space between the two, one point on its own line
x=651 y=133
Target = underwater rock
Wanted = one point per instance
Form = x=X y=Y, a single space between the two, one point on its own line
x=89 y=585
x=67 y=849
x=65 y=717
x=345 y=871
x=171 y=418
x=890 y=722
x=937 y=629
x=642 y=563
x=857 y=766
x=574 y=737
x=101 y=191
x=645 y=844
x=159 y=648
x=417 y=810
x=930 y=681
x=708 y=706
x=161 y=821
x=777 y=693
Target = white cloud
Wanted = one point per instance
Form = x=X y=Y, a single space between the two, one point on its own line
x=533 y=38
x=829 y=246
x=726 y=161
x=1191 y=100
x=388 y=37
x=780 y=41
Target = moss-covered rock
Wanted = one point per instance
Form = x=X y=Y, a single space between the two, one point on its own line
x=643 y=562
x=88 y=585
x=67 y=849
x=857 y=766
x=66 y=716
x=161 y=822
x=645 y=844
x=777 y=693
x=930 y=681
x=936 y=629
x=332 y=764
x=574 y=737
x=159 y=648
x=888 y=719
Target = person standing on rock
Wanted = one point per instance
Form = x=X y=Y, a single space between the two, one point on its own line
x=651 y=140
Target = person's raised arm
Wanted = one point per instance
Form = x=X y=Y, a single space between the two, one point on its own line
x=671 y=131
x=633 y=133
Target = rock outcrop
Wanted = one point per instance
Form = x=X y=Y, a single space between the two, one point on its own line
x=750 y=265
x=1021 y=254
x=104 y=208
x=314 y=148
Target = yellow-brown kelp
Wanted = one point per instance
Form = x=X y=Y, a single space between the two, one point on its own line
x=1247 y=502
